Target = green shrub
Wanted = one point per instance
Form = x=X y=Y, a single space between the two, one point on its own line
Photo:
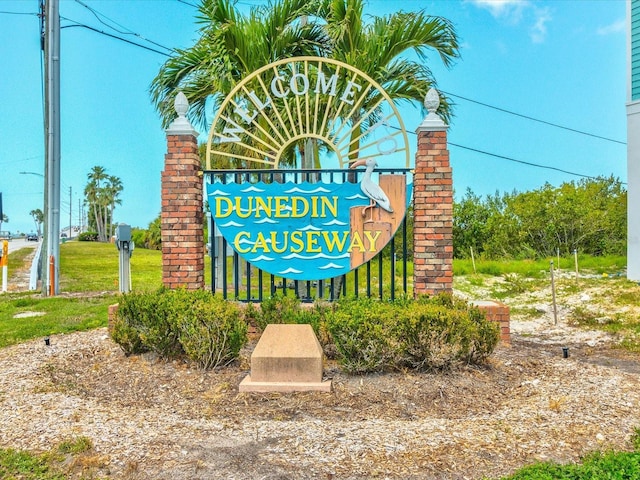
x=596 y=466
x=154 y=316
x=359 y=332
x=127 y=336
x=88 y=236
x=289 y=310
x=427 y=334
x=171 y=323
x=278 y=309
x=212 y=332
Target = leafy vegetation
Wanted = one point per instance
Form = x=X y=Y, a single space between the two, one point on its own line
x=102 y=194
x=72 y=458
x=210 y=331
x=26 y=466
x=588 y=216
x=597 y=466
x=426 y=334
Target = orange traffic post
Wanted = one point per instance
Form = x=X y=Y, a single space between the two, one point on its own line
x=52 y=272
x=4 y=262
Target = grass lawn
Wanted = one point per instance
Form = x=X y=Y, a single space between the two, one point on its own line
x=89 y=283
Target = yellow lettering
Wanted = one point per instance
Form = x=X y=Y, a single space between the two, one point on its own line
x=261 y=244
x=296 y=211
x=330 y=204
x=281 y=207
x=296 y=238
x=264 y=205
x=239 y=211
x=333 y=241
x=356 y=242
x=312 y=242
x=229 y=207
x=236 y=242
x=372 y=239
x=274 y=242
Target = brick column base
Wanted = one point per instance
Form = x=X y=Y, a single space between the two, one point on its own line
x=499 y=313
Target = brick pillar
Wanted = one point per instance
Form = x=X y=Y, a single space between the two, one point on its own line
x=433 y=206
x=182 y=207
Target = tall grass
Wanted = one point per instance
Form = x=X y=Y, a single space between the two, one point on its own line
x=538 y=268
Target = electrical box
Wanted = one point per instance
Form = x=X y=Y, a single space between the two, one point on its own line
x=123 y=233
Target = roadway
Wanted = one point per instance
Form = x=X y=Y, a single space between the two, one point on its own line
x=18 y=243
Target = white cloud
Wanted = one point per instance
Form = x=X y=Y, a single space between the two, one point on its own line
x=538 y=32
x=507 y=9
x=516 y=12
x=616 y=27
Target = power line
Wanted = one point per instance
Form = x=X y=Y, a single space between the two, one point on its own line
x=523 y=162
x=534 y=119
x=187 y=3
x=511 y=159
x=503 y=157
x=101 y=32
x=18 y=13
x=126 y=31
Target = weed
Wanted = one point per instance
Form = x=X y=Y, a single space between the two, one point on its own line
x=524 y=313
x=25 y=466
x=75 y=446
x=635 y=439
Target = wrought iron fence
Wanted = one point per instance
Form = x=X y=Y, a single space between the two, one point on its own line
x=385 y=276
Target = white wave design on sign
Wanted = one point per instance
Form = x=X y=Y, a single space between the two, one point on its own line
x=245 y=241
x=231 y=223
x=292 y=256
x=289 y=270
x=335 y=221
x=219 y=192
x=300 y=190
x=265 y=220
x=252 y=188
x=262 y=258
x=357 y=196
x=309 y=227
x=332 y=266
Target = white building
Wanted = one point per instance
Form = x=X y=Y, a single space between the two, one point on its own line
x=633 y=140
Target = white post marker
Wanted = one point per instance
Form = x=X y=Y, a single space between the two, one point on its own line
x=4 y=261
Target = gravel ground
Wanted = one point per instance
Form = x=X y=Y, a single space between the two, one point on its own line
x=150 y=419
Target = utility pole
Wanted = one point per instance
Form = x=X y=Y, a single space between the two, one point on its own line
x=52 y=142
x=70 y=209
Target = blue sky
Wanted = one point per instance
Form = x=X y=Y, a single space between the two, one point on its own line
x=561 y=61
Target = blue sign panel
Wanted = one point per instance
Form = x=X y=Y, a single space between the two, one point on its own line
x=300 y=231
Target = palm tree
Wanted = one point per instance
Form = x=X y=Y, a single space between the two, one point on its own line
x=231 y=46
x=379 y=49
x=93 y=194
x=102 y=192
x=38 y=219
x=112 y=190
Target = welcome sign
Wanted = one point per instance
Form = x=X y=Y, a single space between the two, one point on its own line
x=308 y=231
x=299 y=231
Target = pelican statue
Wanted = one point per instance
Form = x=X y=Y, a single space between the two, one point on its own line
x=370 y=189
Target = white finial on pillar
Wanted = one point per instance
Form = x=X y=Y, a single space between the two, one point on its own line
x=432 y=121
x=181 y=125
